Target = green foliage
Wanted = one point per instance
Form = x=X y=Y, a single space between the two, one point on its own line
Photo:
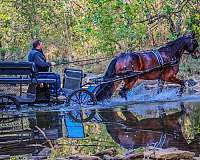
x=92 y=28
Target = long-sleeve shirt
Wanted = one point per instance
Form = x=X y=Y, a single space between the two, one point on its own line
x=39 y=59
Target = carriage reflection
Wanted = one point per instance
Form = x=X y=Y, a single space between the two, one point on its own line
x=129 y=126
x=23 y=135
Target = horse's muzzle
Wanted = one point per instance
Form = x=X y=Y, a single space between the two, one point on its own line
x=195 y=54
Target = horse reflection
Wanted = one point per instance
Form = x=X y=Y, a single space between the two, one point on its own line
x=164 y=131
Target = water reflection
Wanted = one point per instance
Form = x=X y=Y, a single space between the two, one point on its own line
x=176 y=126
x=131 y=126
x=29 y=133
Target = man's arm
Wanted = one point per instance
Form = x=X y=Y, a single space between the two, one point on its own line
x=40 y=62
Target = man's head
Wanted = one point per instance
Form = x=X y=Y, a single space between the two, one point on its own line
x=37 y=44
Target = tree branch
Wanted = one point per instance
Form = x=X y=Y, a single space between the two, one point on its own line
x=184 y=3
x=42 y=132
x=78 y=5
x=154 y=18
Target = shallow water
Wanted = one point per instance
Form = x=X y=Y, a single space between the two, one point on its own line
x=145 y=119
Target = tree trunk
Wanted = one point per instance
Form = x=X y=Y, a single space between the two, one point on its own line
x=2 y=52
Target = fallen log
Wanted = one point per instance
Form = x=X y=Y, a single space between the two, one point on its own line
x=170 y=153
x=135 y=156
x=83 y=157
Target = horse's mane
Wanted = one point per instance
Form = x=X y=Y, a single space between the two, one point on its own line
x=169 y=44
x=173 y=42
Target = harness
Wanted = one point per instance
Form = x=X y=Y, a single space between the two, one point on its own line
x=158 y=57
x=159 y=60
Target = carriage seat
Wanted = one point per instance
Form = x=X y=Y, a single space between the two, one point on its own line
x=72 y=80
x=21 y=73
x=21 y=79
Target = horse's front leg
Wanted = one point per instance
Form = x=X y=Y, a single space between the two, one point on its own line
x=127 y=86
x=178 y=81
x=161 y=83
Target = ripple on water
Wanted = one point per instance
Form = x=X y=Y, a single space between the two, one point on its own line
x=143 y=94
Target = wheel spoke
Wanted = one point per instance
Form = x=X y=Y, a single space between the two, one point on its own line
x=86 y=95
x=77 y=115
x=78 y=99
x=87 y=102
x=74 y=101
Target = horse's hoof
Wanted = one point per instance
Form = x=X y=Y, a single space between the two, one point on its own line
x=179 y=93
x=158 y=91
x=123 y=94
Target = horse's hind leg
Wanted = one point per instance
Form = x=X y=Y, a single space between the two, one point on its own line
x=123 y=92
x=127 y=86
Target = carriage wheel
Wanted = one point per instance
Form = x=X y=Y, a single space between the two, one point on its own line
x=80 y=100
x=8 y=102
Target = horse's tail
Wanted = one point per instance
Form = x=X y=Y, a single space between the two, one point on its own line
x=110 y=72
x=105 y=90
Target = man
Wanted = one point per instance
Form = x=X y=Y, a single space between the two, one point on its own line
x=37 y=56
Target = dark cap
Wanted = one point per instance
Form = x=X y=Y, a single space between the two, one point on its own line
x=36 y=42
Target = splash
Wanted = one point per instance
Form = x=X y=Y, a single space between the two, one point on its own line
x=143 y=95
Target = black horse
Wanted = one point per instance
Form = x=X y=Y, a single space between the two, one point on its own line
x=162 y=64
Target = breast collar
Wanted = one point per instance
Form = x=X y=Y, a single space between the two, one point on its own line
x=158 y=57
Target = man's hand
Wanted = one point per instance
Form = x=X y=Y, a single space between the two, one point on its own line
x=53 y=63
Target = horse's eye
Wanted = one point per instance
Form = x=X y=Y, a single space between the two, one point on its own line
x=195 y=43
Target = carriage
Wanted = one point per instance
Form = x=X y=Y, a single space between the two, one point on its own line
x=23 y=90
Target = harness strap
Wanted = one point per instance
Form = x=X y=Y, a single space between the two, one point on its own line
x=160 y=61
x=162 y=140
x=158 y=57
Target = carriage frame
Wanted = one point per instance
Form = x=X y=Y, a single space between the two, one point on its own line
x=75 y=98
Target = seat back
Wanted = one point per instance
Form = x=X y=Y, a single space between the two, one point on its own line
x=72 y=79
x=17 y=68
x=15 y=77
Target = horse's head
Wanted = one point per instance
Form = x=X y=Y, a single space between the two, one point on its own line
x=192 y=46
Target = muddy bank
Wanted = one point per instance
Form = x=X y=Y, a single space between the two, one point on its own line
x=148 y=153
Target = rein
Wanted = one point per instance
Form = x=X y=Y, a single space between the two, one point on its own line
x=132 y=74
